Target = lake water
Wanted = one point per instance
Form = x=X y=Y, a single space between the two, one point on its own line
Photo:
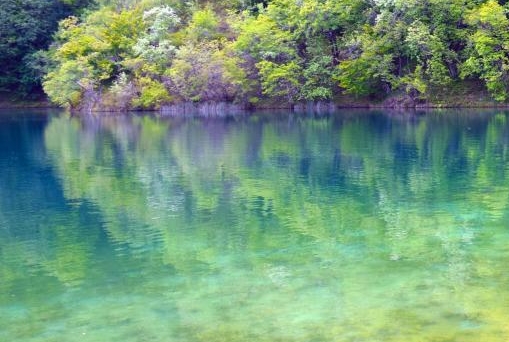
x=353 y=226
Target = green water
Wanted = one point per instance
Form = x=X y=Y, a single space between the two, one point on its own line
x=357 y=226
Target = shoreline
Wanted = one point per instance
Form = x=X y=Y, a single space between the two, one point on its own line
x=222 y=108
x=27 y=105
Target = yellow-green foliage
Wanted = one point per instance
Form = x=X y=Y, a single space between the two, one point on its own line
x=280 y=79
x=89 y=53
x=207 y=72
x=152 y=94
x=294 y=51
x=204 y=25
x=489 y=55
x=63 y=84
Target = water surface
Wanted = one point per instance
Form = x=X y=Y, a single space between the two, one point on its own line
x=353 y=226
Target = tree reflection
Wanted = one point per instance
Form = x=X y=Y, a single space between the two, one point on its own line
x=360 y=205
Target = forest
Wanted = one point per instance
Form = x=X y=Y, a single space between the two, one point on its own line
x=142 y=54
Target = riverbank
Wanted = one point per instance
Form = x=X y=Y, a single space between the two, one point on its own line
x=12 y=102
x=459 y=95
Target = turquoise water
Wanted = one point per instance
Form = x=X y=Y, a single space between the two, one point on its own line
x=356 y=226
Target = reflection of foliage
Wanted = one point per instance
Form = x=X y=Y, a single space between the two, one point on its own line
x=297 y=165
x=256 y=211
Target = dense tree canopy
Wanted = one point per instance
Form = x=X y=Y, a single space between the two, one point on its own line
x=26 y=27
x=124 y=54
